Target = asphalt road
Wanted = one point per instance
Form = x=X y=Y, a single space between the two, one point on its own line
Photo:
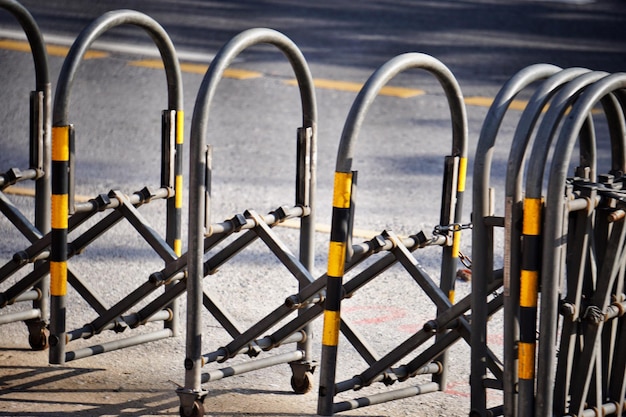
x=482 y=42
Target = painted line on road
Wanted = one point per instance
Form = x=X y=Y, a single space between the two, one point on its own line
x=59 y=46
x=53 y=50
x=113 y=47
x=238 y=74
x=392 y=91
x=487 y=101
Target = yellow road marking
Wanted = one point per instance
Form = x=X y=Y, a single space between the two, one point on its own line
x=400 y=92
x=515 y=104
x=238 y=74
x=486 y=102
x=53 y=50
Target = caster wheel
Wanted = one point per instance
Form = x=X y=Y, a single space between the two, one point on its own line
x=303 y=385
x=38 y=341
x=196 y=411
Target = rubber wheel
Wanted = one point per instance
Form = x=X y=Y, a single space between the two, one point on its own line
x=38 y=341
x=197 y=410
x=304 y=385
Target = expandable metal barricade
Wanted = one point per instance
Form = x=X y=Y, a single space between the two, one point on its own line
x=115 y=206
x=561 y=285
x=563 y=254
x=34 y=286
x=204 y=237
x=449 y=324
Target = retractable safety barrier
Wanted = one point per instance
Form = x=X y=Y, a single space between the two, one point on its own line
x=563 y=250
x=107 y=210
x=387 y=249
x=205 y=256
x=34 y=286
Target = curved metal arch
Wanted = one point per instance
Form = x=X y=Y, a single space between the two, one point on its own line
x=35 y=39
x=491 y=125
x=614 y=107
x=559 y=103
x=548 y=129
x=545 y=92
x=513 y=215
x=379 y=79
x=206 y=93
x=452 y=90
x=92 y=32
x=553 y=224
x=197 y=169
x=340 y=239
x=225 y=57
x=171 y=157
x=482 y=240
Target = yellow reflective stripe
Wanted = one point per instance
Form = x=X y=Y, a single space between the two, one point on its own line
x=178 y=247
x=336 y=259
x=532 y=217
x=456 y=244
x=59 y=207
x=332 y=321
x=526 y=364
x=528 y=288
x=61 y=143
x=178 y=191
x=462 y=174
x=342 y=189
x=180 y=127
x=451 y=295
x=58 y=278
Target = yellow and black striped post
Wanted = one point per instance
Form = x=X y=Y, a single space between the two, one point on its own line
x=529 y=289
x=451 y=212
x=176 y=119
x=61 y=136
x=456 y=237
x=336 y=265
x=178 y=180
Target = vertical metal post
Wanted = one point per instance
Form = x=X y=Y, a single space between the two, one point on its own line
x=305 y=197
x=332 y=307
x=40 y=139
x=58 y=255
x=450 y=254
x=172 y=177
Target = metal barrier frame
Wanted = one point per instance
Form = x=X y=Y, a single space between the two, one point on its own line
x=340 y=248
x=66 y=214
x=555 y=208
x=528 y=249
x=483 y=270
x=39 y=170
x=203 y=235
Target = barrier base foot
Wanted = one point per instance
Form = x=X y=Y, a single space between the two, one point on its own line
x=191 y=402
x=37 y=334
x=302 y=376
